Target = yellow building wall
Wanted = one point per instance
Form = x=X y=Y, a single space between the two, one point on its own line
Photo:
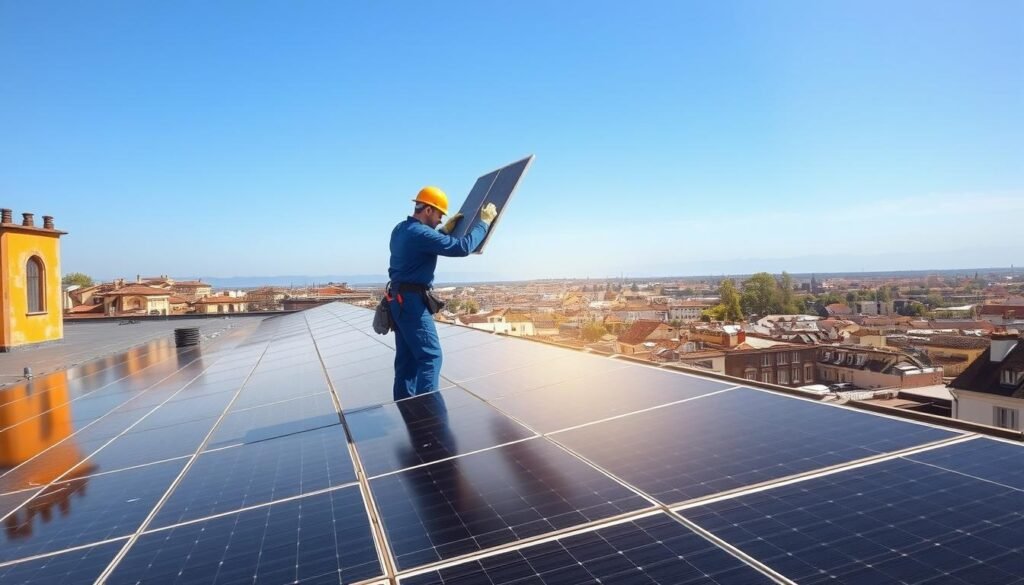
x=17 y=327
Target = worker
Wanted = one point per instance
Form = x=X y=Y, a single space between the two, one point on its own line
x=415 y=246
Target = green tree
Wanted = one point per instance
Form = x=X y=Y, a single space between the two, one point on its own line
x=935 y=300
x=634 y=288
x=789 y=304
x=471 y=306
x=593 y=331
x=728 y=307
x=884 y=294
x=761 y=295
x=78 y=278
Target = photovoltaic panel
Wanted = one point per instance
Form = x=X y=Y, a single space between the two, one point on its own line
x=187 y=407
x=281 y=445
x=275 y=420
x=483 y=360
x=493 y=497
x=895 y=521
x=982 y=458
x=453 y=343
x=602 y=395
x=84 y=510
x=274 y=385
x=654 y=549
x=428 y=428
x=258 y=473
x=735 y=439
x=474 y=202
x=68 y=568
x=370 y=389
x=12 y=501
x=557 y=368
x=322 y=538
x=499 y=192
x=152 y=445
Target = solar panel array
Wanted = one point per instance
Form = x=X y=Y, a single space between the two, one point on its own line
x=276 y=456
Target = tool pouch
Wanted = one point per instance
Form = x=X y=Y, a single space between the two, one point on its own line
x=382 y=316
x=434 y=304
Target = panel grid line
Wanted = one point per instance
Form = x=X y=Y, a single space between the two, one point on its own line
x=42 y=488
x=384 y=553
x=252 y=507
x=791 y=479
x=174 y=484
x=519 y=545
x=54 y=553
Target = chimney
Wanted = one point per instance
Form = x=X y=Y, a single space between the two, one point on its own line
x=5 y=216
x=27 y=220
x=1003 y=343
x=48 y=222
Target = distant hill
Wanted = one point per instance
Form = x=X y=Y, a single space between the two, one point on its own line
x=233 y=282
x=356 y=280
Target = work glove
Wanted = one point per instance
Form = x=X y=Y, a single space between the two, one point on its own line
x=488 y=213
x=449 y=226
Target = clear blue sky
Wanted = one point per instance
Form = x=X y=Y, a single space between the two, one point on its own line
x=271 y=138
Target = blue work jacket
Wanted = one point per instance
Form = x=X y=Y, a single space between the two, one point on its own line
x=416 y=246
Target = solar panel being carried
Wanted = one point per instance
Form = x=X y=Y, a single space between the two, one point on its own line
x=274 y=455
x=495 y=187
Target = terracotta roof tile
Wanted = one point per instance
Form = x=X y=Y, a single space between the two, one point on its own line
x=639 y=332
x=140 y=290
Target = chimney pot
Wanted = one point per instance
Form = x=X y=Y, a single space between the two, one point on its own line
x=1002 y=344
x=48 y=222
x=5 y=216
x=27 y=220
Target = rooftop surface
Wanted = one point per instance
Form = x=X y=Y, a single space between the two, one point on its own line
x=273 y=454
x=88 y=340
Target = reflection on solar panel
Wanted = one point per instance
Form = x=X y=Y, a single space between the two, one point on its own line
x=105 y=506
x=274 y=454
x=428 y=428
x=495 y=187
x=493 y=497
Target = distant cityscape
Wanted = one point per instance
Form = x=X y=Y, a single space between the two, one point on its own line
x=899 y=339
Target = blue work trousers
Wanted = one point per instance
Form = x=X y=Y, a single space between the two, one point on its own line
x=417 y=347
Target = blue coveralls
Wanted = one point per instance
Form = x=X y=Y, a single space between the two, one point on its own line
x=414 y=251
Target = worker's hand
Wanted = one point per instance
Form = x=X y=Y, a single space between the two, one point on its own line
x=488 y=213
x=449 y=226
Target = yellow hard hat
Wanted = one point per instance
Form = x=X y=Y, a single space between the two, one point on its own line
x=433 y=197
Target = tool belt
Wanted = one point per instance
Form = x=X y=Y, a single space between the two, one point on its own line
x=433 y=303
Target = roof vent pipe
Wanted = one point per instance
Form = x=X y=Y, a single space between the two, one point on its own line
x=5 y=216
x=27 y=220
x=48 y=222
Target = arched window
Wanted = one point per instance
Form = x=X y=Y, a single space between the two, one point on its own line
x=36 y=285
